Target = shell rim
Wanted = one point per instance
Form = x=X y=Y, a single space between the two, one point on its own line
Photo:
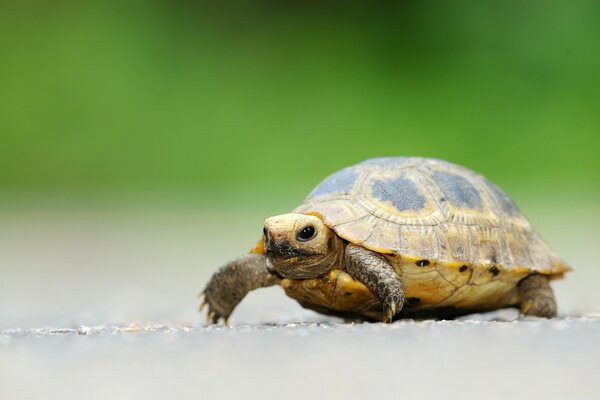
x=561 y=268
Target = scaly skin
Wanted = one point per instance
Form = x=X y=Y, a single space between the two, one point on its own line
x=537 y=298
x=232 y=282
x=375 y=272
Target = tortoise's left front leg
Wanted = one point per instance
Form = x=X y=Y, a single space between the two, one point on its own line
x=376 y=272
x=232 y=282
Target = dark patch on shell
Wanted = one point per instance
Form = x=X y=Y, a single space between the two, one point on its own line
x=458 y=191
x=463 y=268
x=413 y=300
x=422 y=263
x=340 y=182
x=503 y=200
x=494 y=270
x=401 y=192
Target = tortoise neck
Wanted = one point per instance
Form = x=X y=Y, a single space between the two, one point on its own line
x=335 y=256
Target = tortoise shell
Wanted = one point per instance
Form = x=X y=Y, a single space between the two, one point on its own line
x=430 y=210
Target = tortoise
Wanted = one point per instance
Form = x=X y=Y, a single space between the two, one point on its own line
x=398 y=237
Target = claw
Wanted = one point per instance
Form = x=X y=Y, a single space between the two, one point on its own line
x=201 y=294
x=202 y=305
x=389 y=313
x=388 y=317
x=210 y=316
x=226 y=321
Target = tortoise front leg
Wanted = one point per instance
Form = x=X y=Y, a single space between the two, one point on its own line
x=537 y=298
x=232 y=282
x=376 y=272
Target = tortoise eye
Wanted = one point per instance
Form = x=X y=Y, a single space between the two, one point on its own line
x=306 y=233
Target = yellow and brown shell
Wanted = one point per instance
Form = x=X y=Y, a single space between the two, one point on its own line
x=456 y=238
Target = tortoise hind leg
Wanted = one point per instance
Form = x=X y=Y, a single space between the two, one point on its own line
x=537 y=298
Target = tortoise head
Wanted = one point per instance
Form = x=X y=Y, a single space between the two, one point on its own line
x=300 y=246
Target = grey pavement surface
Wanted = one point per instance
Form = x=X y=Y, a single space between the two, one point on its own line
x=102 y=304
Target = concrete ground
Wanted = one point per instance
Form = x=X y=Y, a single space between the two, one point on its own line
x=102 y=304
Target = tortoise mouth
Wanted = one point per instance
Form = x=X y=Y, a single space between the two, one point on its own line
x=284 y=249
x=273 y=271
x=287 y=261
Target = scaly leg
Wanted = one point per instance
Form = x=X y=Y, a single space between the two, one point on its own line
x=537 y=298
x=232 y=282
x=376 y=272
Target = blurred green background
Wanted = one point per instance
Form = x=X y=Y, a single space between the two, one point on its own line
x=248 y=102
x=142 y=143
